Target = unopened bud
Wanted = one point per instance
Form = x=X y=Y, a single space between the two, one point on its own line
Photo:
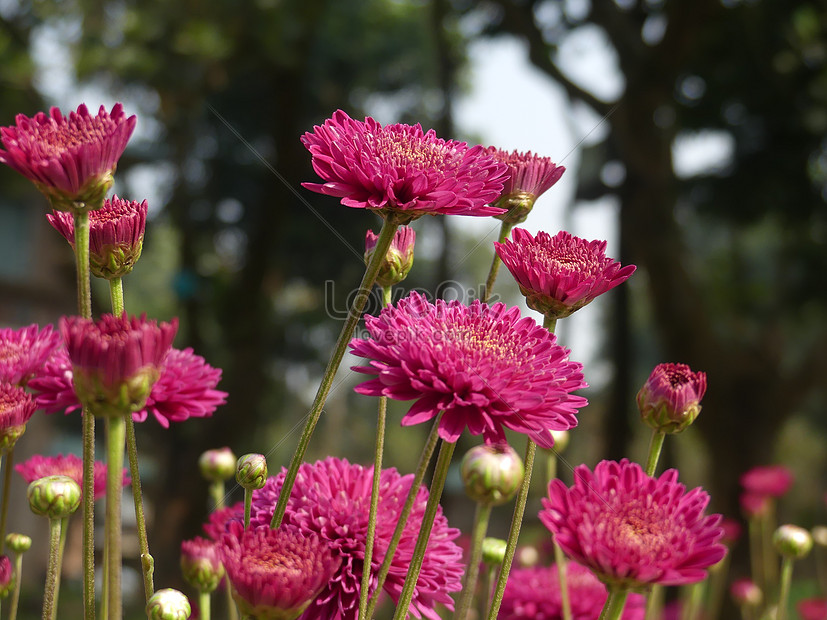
x=19 y=543
x=55 y=497
x=251 y=471
x=200 y=564
x=670 y=399
x=792 y=541
x=493 y=551
x=745 y=592
x=218 y=465
x=492 y=474
x=398 y=259
x=168 y=604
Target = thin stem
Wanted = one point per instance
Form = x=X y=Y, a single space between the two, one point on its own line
x=419 y=476
x=203 y=605
x=717 y=588
x=217 y=494
x=655 y=446
x=115 y=440
x=147 y=561
x=64 y=529
x=18 y=576
x=232 y=608
x=614 y=605
x=389 y=227
x=84 y=289
x=248 y=507
x=505 y=229
x=382 y=409
x=52 y=572
x=4 y=511
x=514 y=532
x=756 y=552
x=784 y=587
x=482 y=515
x=693 y=603
x=550 y=322
x=443 y=462
x=116 y=296
x=770 y=558
x=487 y=587
x=654 y=602
x=387 y=295
x=562 y=578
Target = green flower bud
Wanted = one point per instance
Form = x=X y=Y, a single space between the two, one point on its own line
x=670 y=399
x=55 y=497
x=792 y=541
x=493 y=551
x=398 y=259
x=492 y=474
x=218 y=465
x=168 y=604
x=251 y=471
x=201 y=564
x=9 y=436
x=19 y=543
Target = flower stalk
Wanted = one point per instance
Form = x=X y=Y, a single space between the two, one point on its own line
x=482 y=515
x=389 y=226
x=613 y=608
x=655 y=447
x=52 y=570
x=115 y=441
x=443 y=462
x=505 y=230
x=514 y=531
x=15 y=595
x=4 y=510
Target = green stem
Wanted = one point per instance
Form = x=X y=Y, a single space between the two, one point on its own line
x=387 y=295
x=717 y=588
x=756 y=552
x=382 y=409
x=232 y=608
x=18 y=576
x=487 y=587
x=389 y=227
x=769 y=556
x=614 y=605
x=419 y=476
x=84 y=288
x=248 y=507
x=562 y=578
x=505 y=230
x=64 y=529
x=693 y=603
x=443 y=462
x=784 y=587
x=52 y=571
x=655 y=446
x=203 y=605
x=116 y=296
x=217 y=494
x=115 y=440
x=514 y=532
x=550 y=322
x=147 y=561
x=482 y=515
x=4 y=511
x=654 y=603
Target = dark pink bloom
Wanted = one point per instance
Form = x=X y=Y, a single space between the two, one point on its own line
x=398 y=259
x=331 y=499
x=275 y=573
x=633 y=530
x=400 y=168
x=185 y=388
x=484 y=366
x=560 y=274
x=755 y=505
x=69 y=465
x=6 y=576
x=670 y=400
x=116 y=235
x=116 y=360
x=24 y=351
x=772 y=480
x=534 y=594
x=16 y=408
x=70 y=159
x=812 y=609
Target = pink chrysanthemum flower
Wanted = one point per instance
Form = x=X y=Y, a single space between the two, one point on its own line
x=561 y=274
x=755 y=505
x=399 y=168
x=201 y=564
x=70 y=159
x=6 y=576
x=398 y=259
x=116 y=360
x=69 y=465
x=633 y=530
x=116 y=235
x=185 y=388
x=670 y=400
x=812 y=609
x=24 y=351
x=770 y=480
x=484 y=366
x=219 y=520
x=529 y=177
x=275 y=573
x=331 y=499
x=534 y=594
x=16 y=408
